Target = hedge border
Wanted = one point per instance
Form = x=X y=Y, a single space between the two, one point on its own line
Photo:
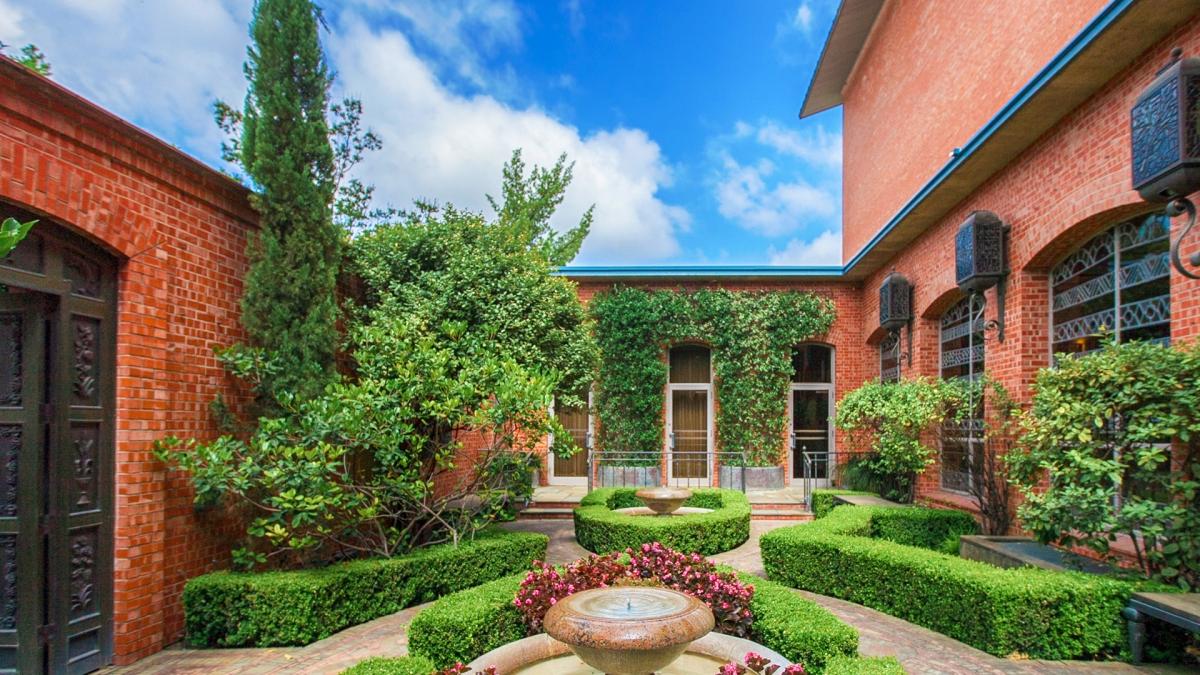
x=1028 y=611
x=824 y=499
x=468 y=624
x=600 y=529
x=270 y=609
x=392 y=665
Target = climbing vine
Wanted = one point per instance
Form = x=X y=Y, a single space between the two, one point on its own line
x=751 y=334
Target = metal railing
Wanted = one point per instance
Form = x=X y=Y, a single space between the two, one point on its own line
x=675 y=468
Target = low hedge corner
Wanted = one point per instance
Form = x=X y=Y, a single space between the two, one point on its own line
x=864 y=665
x=400 y=665
x=823 y=499
x=600 y=529
x=872 y=556
x=273 y=609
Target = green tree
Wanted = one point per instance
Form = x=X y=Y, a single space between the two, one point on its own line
x=1111 y=446
x=296 y=151
x=12 y=232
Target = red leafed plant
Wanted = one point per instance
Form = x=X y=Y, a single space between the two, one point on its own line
x=547 y=585
x=728 y=598
x=654 y=563
x=757 y=664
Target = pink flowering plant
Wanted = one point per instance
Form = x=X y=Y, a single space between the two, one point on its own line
x=757 y=664
x=547 y=585
x=654 y=564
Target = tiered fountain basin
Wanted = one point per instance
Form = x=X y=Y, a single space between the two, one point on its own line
x=623 y=630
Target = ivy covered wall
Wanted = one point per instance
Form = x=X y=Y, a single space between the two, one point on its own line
x=752 y=335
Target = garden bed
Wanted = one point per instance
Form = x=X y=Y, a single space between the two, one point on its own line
x=600 y=529
x=468 y=624
x=880 y=557
x=270 y=609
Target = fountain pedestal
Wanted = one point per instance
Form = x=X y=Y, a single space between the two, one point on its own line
x=631 y=630
x=663 y=500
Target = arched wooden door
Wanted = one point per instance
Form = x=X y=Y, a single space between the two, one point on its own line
x=57 y=368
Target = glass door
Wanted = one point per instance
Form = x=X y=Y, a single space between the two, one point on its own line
x=689 y=430
x=811 y=411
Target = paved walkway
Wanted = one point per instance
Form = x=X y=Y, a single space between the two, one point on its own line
x=923 y=652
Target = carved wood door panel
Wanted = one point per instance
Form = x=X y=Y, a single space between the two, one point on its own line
x=57 y=337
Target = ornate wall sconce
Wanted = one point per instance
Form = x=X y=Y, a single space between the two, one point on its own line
x=981 y=261
x=895 y=309
x=1165 y=130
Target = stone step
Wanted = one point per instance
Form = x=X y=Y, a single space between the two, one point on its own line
x=796 y=514
x=552 y=505
x=543 y=513
x=780 y=505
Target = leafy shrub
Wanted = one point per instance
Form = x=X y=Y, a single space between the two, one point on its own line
x=823 y=500
x=1035 y=612
x=403 y=665
x=598 y=528
x=797 y=627
x=542 y=588
x=468 y=624
x=725 y=595
x=923 y=528
x=864 y=665
x=267 y=609
x=1102 y=426
x=463 y=626
x=888 y=420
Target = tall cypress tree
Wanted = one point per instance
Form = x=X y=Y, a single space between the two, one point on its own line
x=289 y=305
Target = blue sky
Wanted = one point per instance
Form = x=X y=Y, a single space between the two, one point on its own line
x=680 y=116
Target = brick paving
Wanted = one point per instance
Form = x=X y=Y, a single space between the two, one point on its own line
x=923 y=652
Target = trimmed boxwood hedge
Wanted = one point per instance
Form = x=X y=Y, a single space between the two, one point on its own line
x=856 y=665
x=402 y=665
x=268 y=609
x=599 y=529
x=822 y=499
x=468 y=624
x=1032 y=612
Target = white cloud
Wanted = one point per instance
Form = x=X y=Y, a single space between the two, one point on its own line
x=745 y=196
x=446 y=146
x=576 y=19
x=825 y=249
x=159 y=64
x=10 y=24
x=460 y=32
x=814 y=145
x=803 y=18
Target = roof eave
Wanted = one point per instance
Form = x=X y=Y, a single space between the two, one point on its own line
x=851 y=27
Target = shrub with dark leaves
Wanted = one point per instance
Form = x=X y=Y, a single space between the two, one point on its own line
x=693 y=574
x=757 y=664
x=547 y=585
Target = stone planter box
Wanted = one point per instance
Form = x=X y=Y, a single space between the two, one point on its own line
x=1023 y=551
x=756 y=477
x=629 y=476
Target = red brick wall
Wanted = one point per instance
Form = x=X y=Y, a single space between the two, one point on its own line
x=179 y=231
x=1069 y=185
x=930 y=75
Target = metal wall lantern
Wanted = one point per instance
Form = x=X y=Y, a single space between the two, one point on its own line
x=1165 y=130
x=981 y=260
x=895 y=308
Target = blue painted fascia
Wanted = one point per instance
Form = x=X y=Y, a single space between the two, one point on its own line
x=1102 y=21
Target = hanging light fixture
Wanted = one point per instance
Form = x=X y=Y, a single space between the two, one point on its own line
x=981 y=260
x=1165 y=143
x=895 y=308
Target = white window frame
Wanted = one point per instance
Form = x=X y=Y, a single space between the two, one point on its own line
x=669 y=435
x=830 y=389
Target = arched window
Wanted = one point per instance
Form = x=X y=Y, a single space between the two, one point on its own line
x=812 y=363
x=962 y=357
x=1117 y=282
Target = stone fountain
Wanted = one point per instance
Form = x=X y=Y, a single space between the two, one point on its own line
x=663 y=501
x=623 y=630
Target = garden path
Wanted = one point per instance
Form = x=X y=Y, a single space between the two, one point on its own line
x=923 y=652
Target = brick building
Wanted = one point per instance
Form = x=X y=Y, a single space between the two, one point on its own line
x=1021 y=109
x=133 y=274
x=115 y=302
